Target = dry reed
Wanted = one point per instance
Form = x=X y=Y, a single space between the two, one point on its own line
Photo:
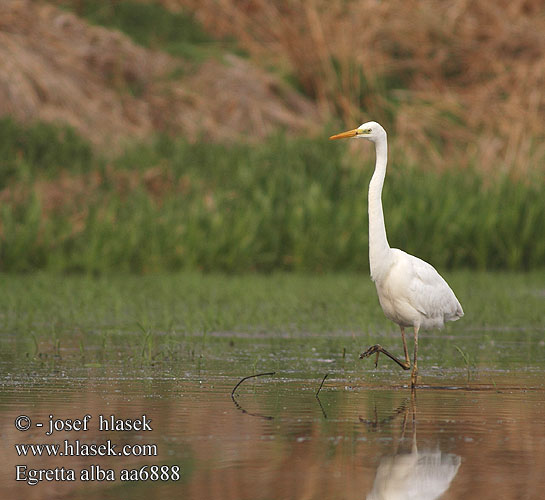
x=457 y=79
x=57 y=67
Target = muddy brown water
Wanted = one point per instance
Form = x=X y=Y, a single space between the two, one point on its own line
x=365 y=436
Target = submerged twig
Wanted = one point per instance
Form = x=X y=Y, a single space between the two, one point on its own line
x=243 y=410
x=246 y=378
x=266 y=417
x=321 y=406
x=321 y=385
x=318 y=395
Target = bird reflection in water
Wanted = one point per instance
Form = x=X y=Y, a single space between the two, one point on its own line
x=418 y=474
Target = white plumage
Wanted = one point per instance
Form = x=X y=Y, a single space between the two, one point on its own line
x=419 y=475
x=410 y=291
x=413 y=293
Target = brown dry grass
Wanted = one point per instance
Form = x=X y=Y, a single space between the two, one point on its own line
x=469 y=75
x=456 y=82
x=56 y=67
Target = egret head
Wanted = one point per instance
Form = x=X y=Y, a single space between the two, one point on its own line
x=371 y=131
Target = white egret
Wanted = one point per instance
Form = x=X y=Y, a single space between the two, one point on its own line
x=422 y=475
x=418 y=475
x=410 y=291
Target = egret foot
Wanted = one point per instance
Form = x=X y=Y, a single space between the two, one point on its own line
x=377 y=348
x=372 y=350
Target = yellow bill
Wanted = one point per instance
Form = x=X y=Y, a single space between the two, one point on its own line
x=345 y=135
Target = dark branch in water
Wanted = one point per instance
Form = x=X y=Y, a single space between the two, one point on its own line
x=321 y=385
x=318 y=395
x=321 y=406
x=246 y=378
x=266 y=417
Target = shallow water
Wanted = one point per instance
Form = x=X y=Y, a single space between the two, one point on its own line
x=462 y=434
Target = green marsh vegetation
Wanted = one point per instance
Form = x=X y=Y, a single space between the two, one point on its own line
x=283 y=321
x=285 y=204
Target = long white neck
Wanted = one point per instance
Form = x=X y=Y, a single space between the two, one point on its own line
x=379 y=249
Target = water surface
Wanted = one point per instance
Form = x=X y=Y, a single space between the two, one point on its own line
x=366 y=436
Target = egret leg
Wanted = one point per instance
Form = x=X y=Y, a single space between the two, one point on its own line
x=414 y=373
x=405 y=351
x=377 y=348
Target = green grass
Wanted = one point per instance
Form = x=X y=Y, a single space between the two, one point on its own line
x=196 y=303
x=40 y=150
x=151 y=25
x=286 y=204
x=198 y=318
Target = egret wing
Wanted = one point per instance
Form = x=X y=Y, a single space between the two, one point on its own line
x=430 y=293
